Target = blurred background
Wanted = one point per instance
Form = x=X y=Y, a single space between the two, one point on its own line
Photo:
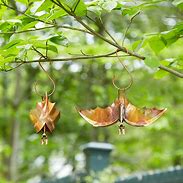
x=87 y=84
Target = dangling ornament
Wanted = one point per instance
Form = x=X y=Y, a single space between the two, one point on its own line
x=45 y=115
x=121 y=110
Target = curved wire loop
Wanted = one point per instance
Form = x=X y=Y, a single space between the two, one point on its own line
x=131 y=78
x=52 y=81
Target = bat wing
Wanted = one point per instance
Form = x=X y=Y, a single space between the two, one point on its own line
x=142 y=117
x=102 y=116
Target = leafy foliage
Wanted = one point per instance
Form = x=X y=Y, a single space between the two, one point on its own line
x=155 y=33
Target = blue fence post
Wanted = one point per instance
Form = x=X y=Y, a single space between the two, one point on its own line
x=97 y=155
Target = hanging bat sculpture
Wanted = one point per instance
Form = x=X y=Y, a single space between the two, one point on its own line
x=44 y=117
x=123 y=111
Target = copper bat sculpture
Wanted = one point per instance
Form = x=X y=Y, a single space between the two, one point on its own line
x=44 y=117
x=123 y=111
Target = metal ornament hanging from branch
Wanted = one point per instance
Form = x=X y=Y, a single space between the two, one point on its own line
x=123 y=111
x=45 y=115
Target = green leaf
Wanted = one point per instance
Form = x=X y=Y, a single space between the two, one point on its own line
x=9 y=24
x=178 y=3
x=95 y=10
x=2 y=11
x=39 y=44
x=80 y=9
x=129 y=11
x=172 y=35
x=26 y=20
x=45 y=5
x=156 y=43
x=1 y=60
x=13 y=51
x=5 y=26
x=23 y=1
x=136 y=45
x=52 y=48
x=9 y=59
x=60 y=40
x=12 y=43
x=69 y=3
x=132 y=10
x=160 y=74
x=169 y=37
x=109 y=5
x=30 y=25
x=77 y=6
x=57 y=14
x=152 y=61
x=14 y=21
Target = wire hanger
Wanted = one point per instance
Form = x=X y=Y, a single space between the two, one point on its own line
x=120 y=89
x=52 y=81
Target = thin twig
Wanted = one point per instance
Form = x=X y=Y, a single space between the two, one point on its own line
x=123 y=49
x=126 y=31
x=84 y=53
x=176 y=73
x=88 y=30
x=49 y=27
x=108 y=55
x=7 y=70
x=36 y=50
x=90 y=19
x=107 y=31
x=76 y=5
x=23 y=13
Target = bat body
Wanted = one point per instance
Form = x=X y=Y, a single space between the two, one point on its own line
x=121 y=110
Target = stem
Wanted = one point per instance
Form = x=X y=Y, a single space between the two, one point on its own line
x=108 y=55
x=88 y=30
x=176 y=73
x=107 y=32
x=126 y=31
x=120 y=48
x=23 y=13
x=78 y=19
x=53 y=26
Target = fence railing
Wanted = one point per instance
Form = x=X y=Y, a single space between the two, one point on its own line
x=97 y=158
x=171 y=175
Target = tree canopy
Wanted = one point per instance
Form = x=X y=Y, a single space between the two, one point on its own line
x=78 y=43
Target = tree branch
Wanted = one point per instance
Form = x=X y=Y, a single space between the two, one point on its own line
x=176 y=73
x=107 y=32
x=53 y=26
x=43 y=60
x=85 y=57
x=108 y=55
x=88 y=30
x=78 y=19
x=115 y=44
x=126 y=31
x=23 y=13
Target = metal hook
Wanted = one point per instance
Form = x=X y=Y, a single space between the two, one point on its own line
x=35 y=86
x=131 y=79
